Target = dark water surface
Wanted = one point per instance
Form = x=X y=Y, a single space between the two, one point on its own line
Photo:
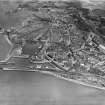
x=32 y=88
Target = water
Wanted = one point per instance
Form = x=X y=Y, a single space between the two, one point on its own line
x=32 y=88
